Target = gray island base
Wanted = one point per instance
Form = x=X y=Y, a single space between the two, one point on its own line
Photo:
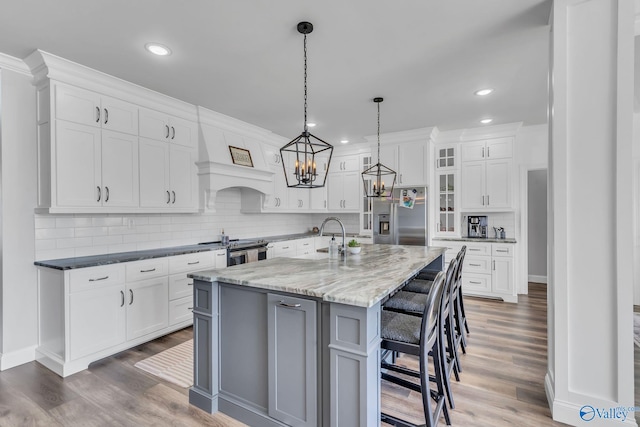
x=294 y=342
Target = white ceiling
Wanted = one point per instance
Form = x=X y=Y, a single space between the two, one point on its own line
x=244 y=58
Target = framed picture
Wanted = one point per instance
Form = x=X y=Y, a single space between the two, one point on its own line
x=240 y=156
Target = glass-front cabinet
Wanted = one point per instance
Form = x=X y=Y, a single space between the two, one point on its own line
x=447 y=191
x=366 y=215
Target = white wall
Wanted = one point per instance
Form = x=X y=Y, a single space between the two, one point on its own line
x=636 y=204
x=537 y=225
x=17 y=194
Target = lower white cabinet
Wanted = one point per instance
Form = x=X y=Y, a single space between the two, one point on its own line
x=292 y=360
x=89 y=313
x=488 y=268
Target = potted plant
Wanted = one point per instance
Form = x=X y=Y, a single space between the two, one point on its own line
x=354 y=246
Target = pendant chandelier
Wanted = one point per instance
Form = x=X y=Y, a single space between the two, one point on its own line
x=299 y=156
x=374 y=177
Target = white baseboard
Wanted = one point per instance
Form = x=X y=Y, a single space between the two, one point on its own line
x=538 y=279
x=16 y=358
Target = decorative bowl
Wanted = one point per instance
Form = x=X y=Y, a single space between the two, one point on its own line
x=354 y=249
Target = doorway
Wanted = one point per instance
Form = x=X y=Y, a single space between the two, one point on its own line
x=537 y=225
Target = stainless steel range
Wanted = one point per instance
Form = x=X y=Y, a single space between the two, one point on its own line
x=242 y=251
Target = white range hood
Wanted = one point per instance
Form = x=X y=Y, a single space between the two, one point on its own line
x=216 y=170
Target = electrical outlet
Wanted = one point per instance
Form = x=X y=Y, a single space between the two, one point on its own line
x=130 y=223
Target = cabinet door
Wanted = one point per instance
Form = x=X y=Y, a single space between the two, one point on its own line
x=502 y=275
x=182 y=172
x=154 y=173
x=473 y=185
x=77 y=105
x=446 y=156
x=119 y=116
x=318 y=198
x=351 y=191
x=147 y=306
x=154 y=125
x=475 y=150
x=298 y=199
x=500 y=148
x=335 y=191
x=498 y=183
x=183 y=132
x=446 y=203
x=411 y=161
x=78 y=165
x=96 y=320
x=120 y=169
x=280 y=198
x=292 y=360
x=221 y=258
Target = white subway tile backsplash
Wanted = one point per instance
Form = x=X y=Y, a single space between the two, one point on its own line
x=75 y=242
x=44 y=222
x=106 y=221
x=55 y=254
x=73 y=222
x=91 y=251
x=53 y=233
x=107 y=240
x=91 y=231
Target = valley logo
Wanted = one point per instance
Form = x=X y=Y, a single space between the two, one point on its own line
x=618 y=413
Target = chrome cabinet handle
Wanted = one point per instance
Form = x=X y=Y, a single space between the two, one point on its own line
x=99 y=194
x=475 y=265
x=190 y=308
x=106 y=116
x=122 y=295
x=483 y=152
x=474 y=249
x=196 y=262
x=488 y=152
x=97 y=114
x=475 y=283
x=99 y=278
x=168 y=197
x=147 y=271
x=501 y=250
x=482 y=200
x=106 y=199
x=131 y=295
x=487 y=200
x=325 y=204
x=174 y=197
x=173 y=136
x=167 y=127
x=494 y=264
x=400 y=178
x=223 y=254
x=285 y=247
x=284 y=304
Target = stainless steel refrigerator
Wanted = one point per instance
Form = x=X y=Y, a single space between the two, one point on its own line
x=395 y=223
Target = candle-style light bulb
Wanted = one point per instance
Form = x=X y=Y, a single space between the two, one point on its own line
x=297 y=172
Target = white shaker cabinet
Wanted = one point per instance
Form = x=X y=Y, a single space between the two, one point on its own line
x=343 y=192
x=147 y=306
x=407 y=159
x=496 y=148
x=95 y=168
x=93 y=109
x=163 y=127
x=166 y=175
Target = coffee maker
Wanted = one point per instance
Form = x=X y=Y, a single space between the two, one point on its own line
x=477 y=226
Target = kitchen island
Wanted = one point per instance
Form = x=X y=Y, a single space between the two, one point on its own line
x=295 y=341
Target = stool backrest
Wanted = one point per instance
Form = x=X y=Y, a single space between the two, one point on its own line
x=430 y=317
x=447 y=294
x=458 y=274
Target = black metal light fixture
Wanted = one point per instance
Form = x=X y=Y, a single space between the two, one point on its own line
x=378 y=173
x=300 y=155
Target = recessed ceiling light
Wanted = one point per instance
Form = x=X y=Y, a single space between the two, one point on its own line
x=311 y=125
x=158 y=49
x=483 y=92
x=344 y=141
x=486 y=121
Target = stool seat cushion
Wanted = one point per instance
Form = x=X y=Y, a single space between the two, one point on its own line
x=407 y=301
x=417 y=285
x=400 y=327
x=427 y=275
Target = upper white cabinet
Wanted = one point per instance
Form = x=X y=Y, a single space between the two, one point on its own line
x=447 y=156
x=486 y=184
x=407 y=159
x=166 y=175
x=344 y=191
x=498 y=148
x=162 y=127
x=90 y=108
x=89 y=124
x=344 y=164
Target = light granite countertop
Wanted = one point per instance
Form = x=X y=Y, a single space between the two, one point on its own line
x=360 y=280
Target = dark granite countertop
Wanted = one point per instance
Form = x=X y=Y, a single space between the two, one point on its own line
x=475 y=239
x=95 y=260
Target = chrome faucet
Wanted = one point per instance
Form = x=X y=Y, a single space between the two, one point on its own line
x=344 y=234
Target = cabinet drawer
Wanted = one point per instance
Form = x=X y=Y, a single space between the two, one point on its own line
x=498 y=249
x=180 y=286
x=147 y=269
x=477 y=264
x=180 y=310
x=89 y=278
x=476 y=283
x=479 y=249
x=191 y=262
x=305 y=246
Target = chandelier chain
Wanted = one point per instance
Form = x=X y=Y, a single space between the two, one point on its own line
x=378 y=132
x=305 y=83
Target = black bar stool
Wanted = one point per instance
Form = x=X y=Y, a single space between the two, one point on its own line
x=419 y=336
x=413 y=303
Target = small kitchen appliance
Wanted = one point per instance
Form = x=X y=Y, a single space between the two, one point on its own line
x=477 y=226
x=242 y=251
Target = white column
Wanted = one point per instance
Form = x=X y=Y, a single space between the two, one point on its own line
x=590 y=209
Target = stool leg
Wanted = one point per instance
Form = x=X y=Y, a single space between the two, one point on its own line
x=442 y=384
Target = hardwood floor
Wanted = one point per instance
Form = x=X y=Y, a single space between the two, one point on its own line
x=502 y=382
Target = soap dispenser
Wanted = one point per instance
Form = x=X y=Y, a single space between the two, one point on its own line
x=333 y=248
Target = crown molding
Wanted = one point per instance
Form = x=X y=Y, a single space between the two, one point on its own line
x=45 y=66
x=14 y=64
x=404 y=136
x=509 y=129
